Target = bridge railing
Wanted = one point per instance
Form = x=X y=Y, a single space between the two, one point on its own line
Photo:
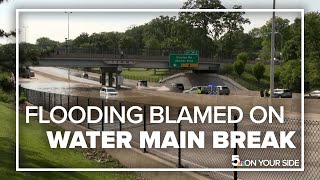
x=137 y=54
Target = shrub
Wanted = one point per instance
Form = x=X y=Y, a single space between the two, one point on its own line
x=6 y=97
x=259 y=70
x=290 y=75
x=243 y=56
x=22 y=99
x=5 y=83
x=239 y=66
x=227 y=69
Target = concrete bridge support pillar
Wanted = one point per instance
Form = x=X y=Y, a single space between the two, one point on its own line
x=118 y=79
x=110 y=70
x=103 y=78
x=110 y=79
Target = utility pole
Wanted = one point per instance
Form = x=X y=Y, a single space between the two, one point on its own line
x=272 y=51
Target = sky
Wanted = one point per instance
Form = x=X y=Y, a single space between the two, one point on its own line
x=54 y=25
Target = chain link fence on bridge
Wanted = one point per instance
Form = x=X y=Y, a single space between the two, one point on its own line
x=206 y=157
x=135 y=53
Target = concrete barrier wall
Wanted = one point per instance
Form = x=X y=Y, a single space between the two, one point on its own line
x=312 y=106
x=190 y=79
x=244 y=102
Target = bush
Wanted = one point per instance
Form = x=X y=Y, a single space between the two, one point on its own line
x=227 y=69
x=258 y=70
x=243 y=56
x=239 y=66
x=22 y=99
x=290 y=75
x=5 y=82
x=6 y=97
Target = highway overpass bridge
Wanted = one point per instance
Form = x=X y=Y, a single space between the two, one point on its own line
x=112 y=61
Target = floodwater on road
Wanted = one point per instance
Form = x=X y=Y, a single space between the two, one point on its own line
x=55 y=80
x=47 y=84
x=89 y=88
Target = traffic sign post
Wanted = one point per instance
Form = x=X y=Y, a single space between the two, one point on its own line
x=183 y=60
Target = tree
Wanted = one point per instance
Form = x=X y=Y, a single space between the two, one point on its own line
x=209 y=23
x=28 y=55
x=290 y=75
x=2 y=32
x=127 y=42
x=312 y=48
x=283 y=30
x=169 y=32
x=232 y=22
x=8 y=57
x=240 y=42
x=134 y=35
x=258 y=71
x=82 y=40
x=292 y=49
x=106 y=40
x=212 y=24
x=312 y=35
x=239 y=66
x=152 y=43
x=45 y=41
x=7 y=34
x=243 y=56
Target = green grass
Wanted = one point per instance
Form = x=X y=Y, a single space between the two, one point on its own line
x=145 y=74
x=148 y=74
x=35 y=152
x=249 y=81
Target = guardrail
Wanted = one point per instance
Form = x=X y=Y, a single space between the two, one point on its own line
x=195 y=157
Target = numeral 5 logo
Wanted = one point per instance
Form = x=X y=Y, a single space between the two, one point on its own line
x=235 y=160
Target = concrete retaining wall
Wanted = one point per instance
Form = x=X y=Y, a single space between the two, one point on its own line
x=246 y=103
x=191 y=79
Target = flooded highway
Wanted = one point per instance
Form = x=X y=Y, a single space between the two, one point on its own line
x=55 y=80
x=54 y=85
x=58 y=83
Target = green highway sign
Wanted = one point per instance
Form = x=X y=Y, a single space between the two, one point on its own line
x=183 y=60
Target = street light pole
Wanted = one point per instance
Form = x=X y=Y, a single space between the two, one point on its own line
x=272 y=51
x=68 y=13
x=25 y=33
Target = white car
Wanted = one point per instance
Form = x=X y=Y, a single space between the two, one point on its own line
x=313 y=95
x=282 y=93
x=108 y=92
x=193 y=90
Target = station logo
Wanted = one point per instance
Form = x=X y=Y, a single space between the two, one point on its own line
x=236 y=162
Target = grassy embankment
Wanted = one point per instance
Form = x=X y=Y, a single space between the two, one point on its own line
x=35 y=152
x=248 y=79
x=145 y=74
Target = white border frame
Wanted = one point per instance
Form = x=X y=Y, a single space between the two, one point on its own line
x=161 y=169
